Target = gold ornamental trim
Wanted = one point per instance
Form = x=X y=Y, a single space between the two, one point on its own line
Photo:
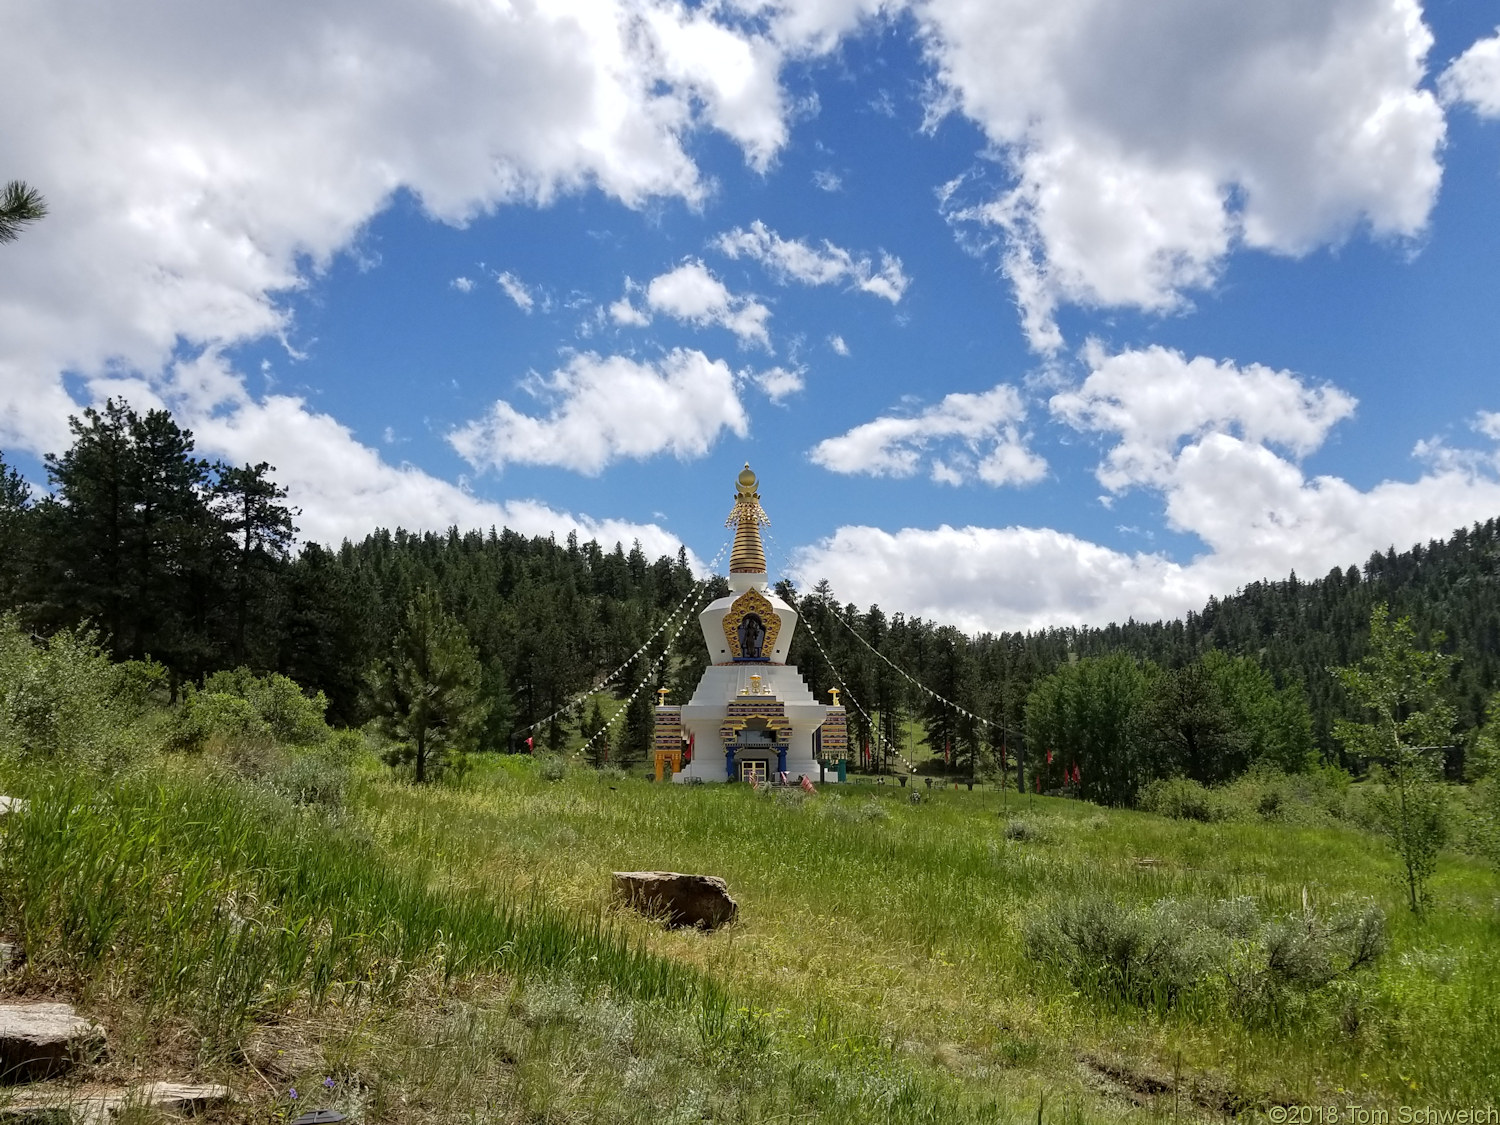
x=752 y=601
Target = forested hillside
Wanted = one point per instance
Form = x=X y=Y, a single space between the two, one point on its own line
x=191 y=564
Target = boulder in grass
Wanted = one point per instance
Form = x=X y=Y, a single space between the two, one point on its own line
x=41 y=1040
x=681 y=900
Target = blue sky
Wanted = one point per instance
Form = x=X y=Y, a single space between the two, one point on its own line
x=1026 y=313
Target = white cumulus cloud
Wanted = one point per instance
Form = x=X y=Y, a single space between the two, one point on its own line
x=795 y=260
x=201 y=161
x=1200 y=435
x=963 y=437
x=602 y=409
x=1144 y=142
x=1474 y=78
x=778 y=384
x=1153 y=399
x=691 y=293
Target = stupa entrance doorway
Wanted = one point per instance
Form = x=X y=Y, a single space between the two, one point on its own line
x=754 y=772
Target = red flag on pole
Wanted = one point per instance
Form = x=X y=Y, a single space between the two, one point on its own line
x=807 y=784
x=1038 y=783
x=947 y=751
x=528 y=744
x=1049 y=757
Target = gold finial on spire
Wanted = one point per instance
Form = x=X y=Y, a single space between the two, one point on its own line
x=833 y=691
x=746 y=517
x=661 y=697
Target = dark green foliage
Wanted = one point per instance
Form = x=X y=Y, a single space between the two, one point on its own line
x=1087 y=712
x=15 y=544
x=427 y=690
x=1181 y=798
x=189 y=562
x=635 y=731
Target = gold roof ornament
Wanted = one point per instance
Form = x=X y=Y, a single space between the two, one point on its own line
x=746 y=517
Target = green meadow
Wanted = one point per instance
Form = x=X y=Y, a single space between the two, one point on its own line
x=450 y=952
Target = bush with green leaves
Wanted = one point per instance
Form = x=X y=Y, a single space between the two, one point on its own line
x=63 y=700
x=1181 y=798
x=1314 y=797
x=293 y=717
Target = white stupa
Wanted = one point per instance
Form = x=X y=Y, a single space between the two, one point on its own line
x=752 y=716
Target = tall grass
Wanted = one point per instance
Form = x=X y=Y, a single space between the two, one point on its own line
x=220 y=896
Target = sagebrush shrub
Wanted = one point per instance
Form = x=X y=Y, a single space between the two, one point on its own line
x=1270 y=970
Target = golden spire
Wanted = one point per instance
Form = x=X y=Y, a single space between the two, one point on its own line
x=748 y=557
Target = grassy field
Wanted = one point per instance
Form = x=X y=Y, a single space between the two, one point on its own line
x=449 y=952
x=870 y=923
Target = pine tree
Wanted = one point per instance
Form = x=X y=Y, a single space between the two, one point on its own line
x=19 y=205
x=15 y=533
x=250 y=505
x=427 y=691
x=597 y=735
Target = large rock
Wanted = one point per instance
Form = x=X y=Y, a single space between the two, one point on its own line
x=681 y=900
x=40 y=1040
x=100 y=1105
x=186 y=1098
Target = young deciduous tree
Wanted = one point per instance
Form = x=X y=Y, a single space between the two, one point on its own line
x=427 y=691
x=1400 y=686
x=1087 y=712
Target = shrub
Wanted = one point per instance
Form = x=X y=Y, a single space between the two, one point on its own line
x=63 y=700
x=294 y=718
x=1273 y=979
x=1140 y=956
x=551 y=767
x=223 y=724
x=1270 y=970
x=1180 y=798
x=310 y=778
x=1025 y=832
